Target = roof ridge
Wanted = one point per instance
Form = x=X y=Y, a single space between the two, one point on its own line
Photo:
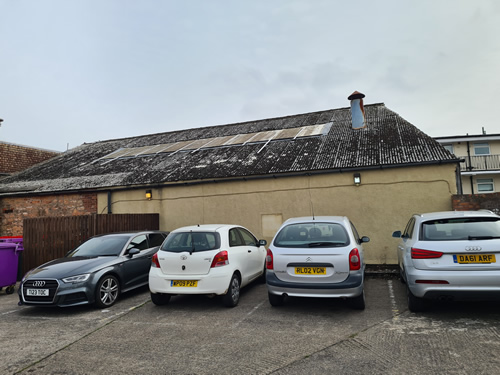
x=234 y=123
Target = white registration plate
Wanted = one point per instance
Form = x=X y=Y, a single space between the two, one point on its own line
x=37 y=292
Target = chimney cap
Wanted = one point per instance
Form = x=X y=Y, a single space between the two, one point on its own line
x=356 y=95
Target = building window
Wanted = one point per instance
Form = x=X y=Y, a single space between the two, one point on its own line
x=449 y=147
x=485 y=185
x=481 y=149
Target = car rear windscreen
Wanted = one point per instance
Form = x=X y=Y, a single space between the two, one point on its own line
x=312 y=235
x=457 y=229
x=191 y=242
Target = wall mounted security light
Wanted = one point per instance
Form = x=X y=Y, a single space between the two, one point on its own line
x=149 y=195
x=357 y=179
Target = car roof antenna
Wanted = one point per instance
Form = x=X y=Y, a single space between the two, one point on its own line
x=310 y=199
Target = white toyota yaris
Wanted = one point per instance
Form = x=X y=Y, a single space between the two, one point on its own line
x=206 y=259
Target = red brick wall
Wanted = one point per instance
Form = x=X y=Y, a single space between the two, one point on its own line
x=15 y=158
x=467 y=202
x=14 y=210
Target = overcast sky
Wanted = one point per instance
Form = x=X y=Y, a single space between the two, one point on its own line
x=80 y=71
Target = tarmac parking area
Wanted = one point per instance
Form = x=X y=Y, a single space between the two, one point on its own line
x=197 y=335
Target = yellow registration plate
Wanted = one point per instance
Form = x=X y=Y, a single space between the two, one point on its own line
x=310 y=270
x=184 y=283
x=474 y=258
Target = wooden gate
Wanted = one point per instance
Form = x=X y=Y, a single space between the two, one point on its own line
x=49 y=238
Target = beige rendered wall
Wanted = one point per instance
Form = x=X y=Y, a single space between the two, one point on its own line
x=383 y=202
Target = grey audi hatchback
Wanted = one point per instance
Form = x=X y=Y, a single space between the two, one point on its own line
x=96 y=272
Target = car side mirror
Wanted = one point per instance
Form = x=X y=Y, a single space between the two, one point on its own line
x=262 y=242
x=133 y=251
x=365 y=239
x=396 y=234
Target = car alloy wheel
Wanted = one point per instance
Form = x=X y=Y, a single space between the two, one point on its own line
x=107 y=291
x=231 y=298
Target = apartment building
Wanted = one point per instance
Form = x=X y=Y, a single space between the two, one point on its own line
x=480 y=168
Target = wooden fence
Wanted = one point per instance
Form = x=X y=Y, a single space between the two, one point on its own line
x=49 y=238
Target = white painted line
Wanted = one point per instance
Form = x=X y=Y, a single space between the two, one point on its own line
x=248 y=314
x=8 y=312
x=394 y=306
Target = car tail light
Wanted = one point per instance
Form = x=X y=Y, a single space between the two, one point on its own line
x=431 y=282
x=424 y=254
x=269 y=260
x=154 y=261
x=354 y=260
x=220 y=259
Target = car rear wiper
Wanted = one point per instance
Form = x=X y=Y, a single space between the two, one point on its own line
x=483 y=237
x=315 y=244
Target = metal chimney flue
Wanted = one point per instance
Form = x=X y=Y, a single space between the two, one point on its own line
x=357 y=110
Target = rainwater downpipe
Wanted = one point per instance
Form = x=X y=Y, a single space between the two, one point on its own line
x=470 y=168
x=458 y=177
x=109 y=202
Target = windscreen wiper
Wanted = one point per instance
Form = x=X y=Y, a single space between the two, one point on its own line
x=315 y=244
x=483 y=237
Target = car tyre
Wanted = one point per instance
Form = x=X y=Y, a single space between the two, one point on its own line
x=262 y=278
x=402 y=276
x=107 y=291
x=10 y=289
x=276 y=299
x=415 y=304
x=358 y=303
x=160 y=299
x=232 y=297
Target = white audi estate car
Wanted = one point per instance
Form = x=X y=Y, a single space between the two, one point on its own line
x=452 y=255
x=318 y=256
x=207 y=259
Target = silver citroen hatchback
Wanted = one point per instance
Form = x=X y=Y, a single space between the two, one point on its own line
x=316 y=257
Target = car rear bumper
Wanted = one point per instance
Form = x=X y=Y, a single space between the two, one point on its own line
x=215 y=282
x=462 y=285
x=350 y=287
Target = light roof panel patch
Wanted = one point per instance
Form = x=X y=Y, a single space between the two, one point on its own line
x=229 y=140
x=288 y=133
x=265 y=136
x=220 y=141
x=240 y=139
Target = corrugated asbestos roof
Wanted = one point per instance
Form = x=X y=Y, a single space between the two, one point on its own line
x=388 y=140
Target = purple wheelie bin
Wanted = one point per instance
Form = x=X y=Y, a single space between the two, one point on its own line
x=10 y=247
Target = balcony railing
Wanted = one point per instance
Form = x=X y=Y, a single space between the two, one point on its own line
x=481 y=163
